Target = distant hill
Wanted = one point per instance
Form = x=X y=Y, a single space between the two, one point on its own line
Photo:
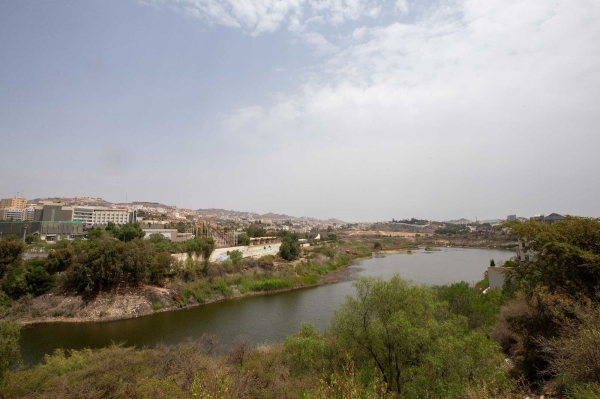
x=75 y=201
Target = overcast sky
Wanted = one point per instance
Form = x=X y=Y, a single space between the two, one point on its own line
x=358 y=110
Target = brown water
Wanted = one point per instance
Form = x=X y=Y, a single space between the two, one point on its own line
x=264 y=319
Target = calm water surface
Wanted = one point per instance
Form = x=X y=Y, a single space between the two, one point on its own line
x=264 y=319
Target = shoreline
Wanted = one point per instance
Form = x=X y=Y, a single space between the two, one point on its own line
x=332 y=277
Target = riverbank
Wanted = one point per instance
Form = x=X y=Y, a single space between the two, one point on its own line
x=131 y=302
x=320 y=265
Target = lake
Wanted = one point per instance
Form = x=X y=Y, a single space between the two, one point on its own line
x=265 y=319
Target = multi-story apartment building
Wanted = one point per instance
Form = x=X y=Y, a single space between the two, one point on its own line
x=14 y=203
x=104 y=215
x=17 y=214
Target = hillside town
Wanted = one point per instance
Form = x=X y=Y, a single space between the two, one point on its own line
x=53 y=219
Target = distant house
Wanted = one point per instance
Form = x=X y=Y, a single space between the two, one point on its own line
x=553 y=218
x=550 y=219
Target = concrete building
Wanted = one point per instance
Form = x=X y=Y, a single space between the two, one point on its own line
x=53 y=212
x=511 y=217
x=17 y=215
x=88 y=215
x=550 y=219
x=553 y=218
x=83 y=214
x=49 y=231
x=102 y=216
x=16 y=202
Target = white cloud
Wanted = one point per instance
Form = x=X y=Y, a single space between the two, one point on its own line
x=259 y=16
x=402 y=6
x=501 y=54
x=319 y=43
x=511 y=86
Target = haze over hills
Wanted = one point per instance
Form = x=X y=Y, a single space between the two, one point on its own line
x=217 y=212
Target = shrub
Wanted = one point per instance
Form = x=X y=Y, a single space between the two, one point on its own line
x=10 y=355
x=266 y=262
x=401 y=329
x=236 y=256
x=305 y=350
x=289 y=249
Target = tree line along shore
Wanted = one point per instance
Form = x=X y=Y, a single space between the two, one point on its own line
x=114 y=276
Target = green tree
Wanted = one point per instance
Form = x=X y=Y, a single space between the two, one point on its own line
x=481 y=310
x=59 y=260
x=156 y=238
x=137 y=261
x=11 y=237
x=10 y=355
x=39 y=281
x=566 y=257
x=130 y=231
x=111 y=226
x=161 y=243
x=31 y=239
x=10 y=255
x=243 y=239
x=256 y=230
x=290 y=248
x=99 y=268
x=94 y=234
x=236 y=256
x=305 y=350
x=14 y=281
x=161 y=268
x=418 y=347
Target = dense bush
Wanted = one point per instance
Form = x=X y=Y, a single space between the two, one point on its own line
x=10 y=355
x=567 y=257
x=419 y=348
x=549 y=294
x=290 y=248
x=452 y=229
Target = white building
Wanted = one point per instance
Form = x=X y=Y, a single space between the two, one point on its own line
x=97 y=215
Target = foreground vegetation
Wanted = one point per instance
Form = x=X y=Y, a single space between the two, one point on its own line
x=393 y=340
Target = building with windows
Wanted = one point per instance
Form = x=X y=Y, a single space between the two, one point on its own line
x=17 y=214
x=16 y=203
x=550 y=219
x=83 y=214
x=87 y=215
x=102 y=216
x=49 y=231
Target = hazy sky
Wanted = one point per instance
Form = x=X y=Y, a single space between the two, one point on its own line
x=359 y=110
